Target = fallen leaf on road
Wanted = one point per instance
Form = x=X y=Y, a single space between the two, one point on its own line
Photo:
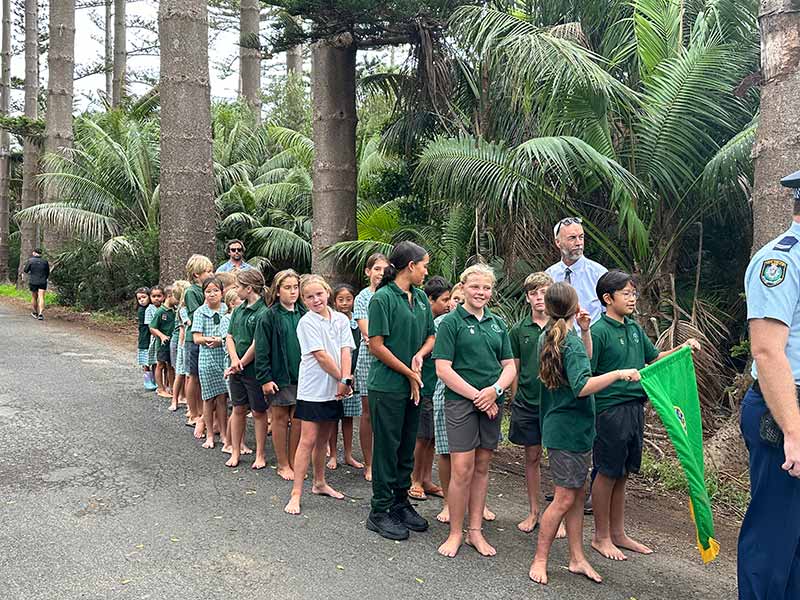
x=418 y=580
x=340 y=567
x=125 y=581
x=139 y=546
x=217 y=516
x=250 y=492
x=174 y=539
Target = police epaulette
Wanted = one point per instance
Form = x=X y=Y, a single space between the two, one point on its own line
x=786 y=244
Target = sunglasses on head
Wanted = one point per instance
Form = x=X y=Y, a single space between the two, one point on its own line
x=567 y=221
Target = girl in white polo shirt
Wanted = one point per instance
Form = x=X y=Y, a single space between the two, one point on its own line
x=324 y=379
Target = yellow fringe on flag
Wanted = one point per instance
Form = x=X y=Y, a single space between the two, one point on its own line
x=707 y=554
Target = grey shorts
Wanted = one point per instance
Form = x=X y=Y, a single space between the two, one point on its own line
x=192 y=355
x=425 y=431
x=173 y=352
x=569 y=469
x=286 y=396
x=469 y=428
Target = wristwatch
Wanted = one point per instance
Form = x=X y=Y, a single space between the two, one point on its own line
x=346 y=381
x=498 y=390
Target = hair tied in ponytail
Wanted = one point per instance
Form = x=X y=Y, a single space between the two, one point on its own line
x=403 y=253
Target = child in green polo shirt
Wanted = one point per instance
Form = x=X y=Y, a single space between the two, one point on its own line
x=567 y=418
x=619 y=343
x=161 y=326
x=401 y=334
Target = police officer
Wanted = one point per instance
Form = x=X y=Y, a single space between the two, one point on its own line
x=769 y=542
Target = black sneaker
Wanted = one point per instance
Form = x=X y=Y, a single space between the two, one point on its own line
x=405 y=513
x=40 y=317
x=385 y=525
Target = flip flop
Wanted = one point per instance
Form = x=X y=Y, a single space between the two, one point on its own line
x=417 y=493
x=435 y=491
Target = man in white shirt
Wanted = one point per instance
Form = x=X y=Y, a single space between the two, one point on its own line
x=574 y=268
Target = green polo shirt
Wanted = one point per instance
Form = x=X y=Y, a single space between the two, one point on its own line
x=193 y=298
x=615 y=346
x=164 y=320
x=525 y=345
x=475 y=347
x=404 y=327
x=242 y=329
x=567 y=419
x=288 y=320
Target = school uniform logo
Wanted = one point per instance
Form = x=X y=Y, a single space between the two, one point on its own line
x=681 y=418
x=496 y=328
x=635 y=337
x=773 y=272
x=472 y=330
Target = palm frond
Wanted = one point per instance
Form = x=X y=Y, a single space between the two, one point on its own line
x=70 y=219
x=297 y=144
x=729 y=173
x=117 y=246
x=280 y=245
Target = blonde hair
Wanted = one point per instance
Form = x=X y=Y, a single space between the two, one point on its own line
x=478 y=269
x=307 y=280
x=228 y=279
x=197 y=264
x=179 y=288
x=278 y=280
x=458 y=288
x=561 y=303
x=537 y=280
x=230 y=296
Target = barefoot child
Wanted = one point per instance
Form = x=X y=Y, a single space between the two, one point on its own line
x=474 y=360
x=156 y=299
x=400 y=334
x=326 y=345
x=437 y=289
x=198 y=270
x=231 y=300
x=161 y=327
x=567 y=417
x=176 y=346
x=278 y=365
x=618 y=343
x=376 y=264
x=343 y=299
x=211 y=359
x=142 y=303
x=246 y=391
x=525 y=428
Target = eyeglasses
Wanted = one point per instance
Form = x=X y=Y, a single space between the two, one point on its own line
x=633 y=295
x=566 y=221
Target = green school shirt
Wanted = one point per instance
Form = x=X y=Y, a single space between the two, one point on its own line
x=475 y=348
x=164 y=320
x=567 y=419
x=288 y=319
x=525 y=347
x=144 y=329
x=193 y=298
x=615 y=346
x=242 y=329
x=404 y=327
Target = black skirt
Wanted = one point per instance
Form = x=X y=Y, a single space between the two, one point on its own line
x=317 y=412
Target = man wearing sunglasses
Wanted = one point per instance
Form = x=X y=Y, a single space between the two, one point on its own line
x=574 y=268
x=235 y=250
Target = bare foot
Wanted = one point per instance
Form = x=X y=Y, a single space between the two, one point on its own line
x=326 y=490
x=259 y=463
x=629 y=544
x=199 y=429
x=562 y=531
x=529 y=524
x=582 y=567
x=293 y=506
x=209 y=443
x=444 y=516
x=332 y=464
x=608 y=549
x=488 y=515
x=476 y=540
x=227 y=449
x=173 y=407
x=538 y=572
x=164 y=394
x=353 y=463
x=232 y=462
x=245 y=450
x=368 y=473
x=451 y=545
x=286 y=473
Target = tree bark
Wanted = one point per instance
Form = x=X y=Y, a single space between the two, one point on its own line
x=777 y=148
x=5 y=91
x=60 y=69
x=30 y=237
x=294 y=60
x=187 y=211
x=334 y=172
x=250 y=57
x=120 y=53
x=109 y=48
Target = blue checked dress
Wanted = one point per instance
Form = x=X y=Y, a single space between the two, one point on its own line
x=352 y=404
x=181 y=368
x=210 y=361
x=439 y=420
x=365 y=359
x=152 y=351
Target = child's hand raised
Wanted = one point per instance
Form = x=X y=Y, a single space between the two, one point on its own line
x=584 y=319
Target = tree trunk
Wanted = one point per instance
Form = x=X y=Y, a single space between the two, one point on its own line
x=187 y=211
x=120 y=53
x=294 y=60
x=30 y=237
x=5 y=91
x=250 y=57
x=777 y=148
x=109 y=48
x=60 y=69
x=334 y=173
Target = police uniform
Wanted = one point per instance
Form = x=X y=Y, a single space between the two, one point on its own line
x=769 y=541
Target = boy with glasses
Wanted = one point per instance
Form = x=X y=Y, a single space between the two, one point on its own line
x=235 y=250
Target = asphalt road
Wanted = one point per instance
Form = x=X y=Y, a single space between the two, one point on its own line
x=105 y=494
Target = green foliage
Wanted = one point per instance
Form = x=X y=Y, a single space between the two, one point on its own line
x=11 y=291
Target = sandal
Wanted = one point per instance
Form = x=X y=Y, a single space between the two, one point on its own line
x=435 y=490
x=417 y=493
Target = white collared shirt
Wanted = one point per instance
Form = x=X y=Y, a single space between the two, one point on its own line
x=315 y=332
x=583 y=278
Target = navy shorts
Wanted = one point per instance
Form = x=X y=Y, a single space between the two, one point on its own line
x=526 y=426
x=246 y=391
x=620 y=435
x=192 y=355
x=319 y=412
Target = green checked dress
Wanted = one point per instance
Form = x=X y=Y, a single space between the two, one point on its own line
x=439 y=419
x=181 y=368
x=152 y=350
x=210 y=361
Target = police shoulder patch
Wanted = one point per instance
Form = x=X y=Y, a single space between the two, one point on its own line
x=786 y=244
x=773 y=272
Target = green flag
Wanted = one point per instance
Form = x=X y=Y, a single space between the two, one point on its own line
x=671 y=385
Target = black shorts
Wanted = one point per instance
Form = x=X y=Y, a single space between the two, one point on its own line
x=526 y=426
x=425 y=430
x=34 y=288
x=163 y=355
x=319 y=412
x=618 y=444
x=246 y=391
x=192 y=354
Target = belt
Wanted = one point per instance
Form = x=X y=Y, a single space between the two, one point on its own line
x=757 y=389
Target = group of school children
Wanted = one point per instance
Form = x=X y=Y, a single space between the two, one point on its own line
x=427 y=368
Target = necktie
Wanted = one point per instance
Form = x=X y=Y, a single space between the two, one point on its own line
x=568 y=275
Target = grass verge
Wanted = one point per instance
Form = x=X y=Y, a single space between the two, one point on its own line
x=11 y=291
